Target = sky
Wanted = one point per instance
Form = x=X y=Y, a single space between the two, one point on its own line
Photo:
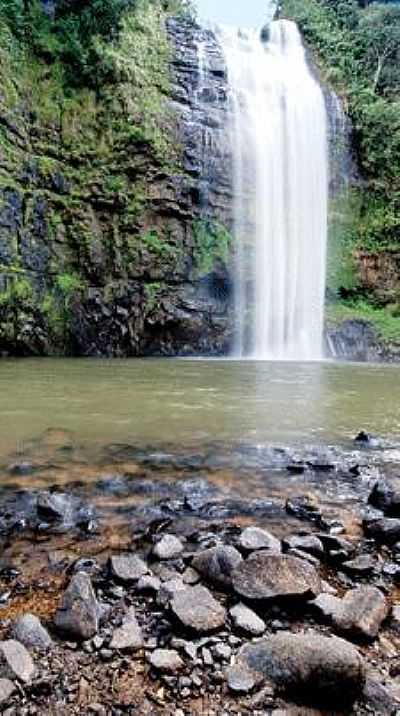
x=244 y=13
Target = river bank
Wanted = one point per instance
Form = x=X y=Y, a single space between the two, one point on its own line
x=139 y=563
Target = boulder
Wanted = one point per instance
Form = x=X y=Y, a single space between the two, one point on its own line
x=254 y=538
x=29 y=630
x=168 y=547
x=78 y=614
x=268 y=577
x=196 y=609
x=128 y=567
x=246 y=620
x=128 y=636
x=308 y=665
x=308 y=543
x=385 y=530
x=15 y=662
x=362 y=612
x=217 y=564
x=167 y=661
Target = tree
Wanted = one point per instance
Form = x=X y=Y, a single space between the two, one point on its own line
x=379 y=36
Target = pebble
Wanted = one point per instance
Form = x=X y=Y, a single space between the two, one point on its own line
x=197 y=609
x=128 y=567
x=166 y=661
x=29 y=630
x=128 y=636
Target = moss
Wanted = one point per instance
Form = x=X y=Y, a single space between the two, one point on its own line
x=153 y=293
x=212 y=244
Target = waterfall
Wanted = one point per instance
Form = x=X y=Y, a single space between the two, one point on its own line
x=278 y=131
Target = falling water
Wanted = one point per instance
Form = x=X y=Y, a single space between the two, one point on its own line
x=279 y=139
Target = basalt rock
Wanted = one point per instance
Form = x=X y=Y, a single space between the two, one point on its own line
x=311 y=666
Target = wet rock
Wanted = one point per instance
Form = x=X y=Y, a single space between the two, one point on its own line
x=327 y=668
x=128 y=636
x=367 y=440
x=15 y=662
x=217 y=564
x=167 y=661
x=63 y=509
x=168 y=547
x=21 y=468
x=362 y=612
x=196 y=609
x=254 y=538
x=362 y=566
x=29 y=630
x=128 y=567
x=78 y=614
x=7 y=689
x=268 y=577
x=385 y=498
x=246 y=620
x=385 y=530
x=309 y=543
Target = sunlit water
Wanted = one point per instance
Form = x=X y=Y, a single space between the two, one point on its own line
x=184 y=402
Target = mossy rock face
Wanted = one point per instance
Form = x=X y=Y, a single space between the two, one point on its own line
x=100 y=201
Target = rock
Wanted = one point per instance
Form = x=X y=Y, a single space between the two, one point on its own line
x=254 y=538
x=223 y=651
x=309 y=543
x=166 y=660
x=246 y=620
x=15 y=662
x=168 y=547
x=78 y=614
x=7 y=689
x=335 y=546
x=240 y=680
x=269 y=577
x=304 y=556
x=304 y=664
x=128 y=636
x=29 y=630
x=385 y=498
x=362 y=612
x=326 y=605
x=196 y=609
x=168 y=590
x=362 y=566
x=217 y=564
x=148 y=583
x=385 y=530
x=191 y=576
x=379 y=698
x=128 y=567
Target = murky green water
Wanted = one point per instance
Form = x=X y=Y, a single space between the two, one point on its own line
x=186 y=402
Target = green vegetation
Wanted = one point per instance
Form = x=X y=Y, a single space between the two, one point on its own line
x=386 y=321
x=212 y=244
x=357 y=47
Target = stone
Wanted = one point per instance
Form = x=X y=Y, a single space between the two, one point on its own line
x=254 y=538
x=385 y=498
x=167 y=661
x=362 y=566
x=246 y=620
x=385 y=530
x=362 y=612
x=148 y=583
x=168 y=547
x=326 y=605
x=240 y=680
x=309 y=543
x=128 y=637
x=196 y=609
x=78 y=614
x=328 y=667
x=16 y=662
x=191 y=576
x=168 y=589
x=128 y=567
x=268 y=577
x=7 y=689
x=335 y=545
x=223 y=652
x=217 y=564
x=29 y=630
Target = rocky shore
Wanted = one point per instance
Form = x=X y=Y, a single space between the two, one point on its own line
x=173 y=590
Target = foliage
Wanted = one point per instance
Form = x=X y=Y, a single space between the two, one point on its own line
x=212 y=244
x=385 y=320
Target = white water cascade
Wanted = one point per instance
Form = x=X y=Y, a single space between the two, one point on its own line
x=279 y=140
